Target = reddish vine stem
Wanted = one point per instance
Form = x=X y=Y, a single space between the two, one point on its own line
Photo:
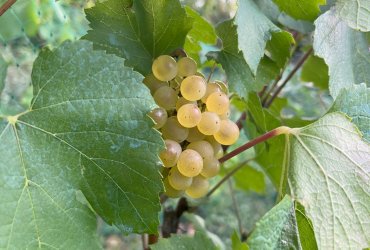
x=6 y=6
x=291 y=74
x=152 y=239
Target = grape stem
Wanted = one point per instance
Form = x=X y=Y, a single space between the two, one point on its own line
x=262 y=138
x=6 y=6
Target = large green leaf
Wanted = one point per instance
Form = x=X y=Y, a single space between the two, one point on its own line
x=277 y=229
x=175 y=242
x=86 y=134
x=138 y=31
x=355 y=13
x=3 y=70
x=254 y=30
x=355 y=102
x=344 y=50
x=301 y=9
x=239 y=75
x=328 y=170
x=202 y=31
x=305 y=228
x=250 y=179
x=315 y=70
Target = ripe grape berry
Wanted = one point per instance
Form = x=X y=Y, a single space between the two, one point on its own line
x=193 y=117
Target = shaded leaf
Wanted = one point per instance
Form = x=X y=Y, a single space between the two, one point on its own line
x=315 y=70
x=3 y=70
x=86 y=134
x=344 y=50
x=237 y=244
x=355 y=13
x=138 y=33
x=250 y=179
x=305 y=228
x=175 y=242
x=301 y=9
x=355 y=102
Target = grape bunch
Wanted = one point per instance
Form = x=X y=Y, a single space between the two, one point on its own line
x=193 y=116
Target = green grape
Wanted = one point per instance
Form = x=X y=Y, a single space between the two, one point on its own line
x=198 y=188
x=159 y=115
x=182 y=101
x=190 y=163
x=164 y=68
x=193 y=88
x=177 y=180
x=186 y=66
x=189 y=115
x=217 y=147
x=195 y=135
x=153 y=83
x=225 y=115
x=218 y=102
x=204 y=148
x=209 y=123
x=228 y=133
x=211 y=88
x=170 y=191
x=166 y=97
x=170 y=154
x=174 y=131
x=211 y=167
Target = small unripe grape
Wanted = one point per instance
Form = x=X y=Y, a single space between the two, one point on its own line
x=174 y=131
x=190 y=163
x=170 y=191
x=193 y=88
x=177 y=180
x=186 y=66
x=228 y=133
x=166 y=97
x=211 y=88
x=204 y=148
x=153 y=83
x=195 y=135
x=189 y=115
x=182 y=101
x=211 y=167
x=170 y=154
x=218 y=102
x=198 y=188
x=164 y=68
x=159 y=115
x=209 y=123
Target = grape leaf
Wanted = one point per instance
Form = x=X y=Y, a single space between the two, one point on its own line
x=328 y=170
x=305 y=228
x=277 y=229
x=355 y=102
x=355 y=13
x=315 y=70
x=202 y=31
x=344 y=50
x=3 y=70
x=237 y=244
x=175 y=242
x=301 y=9
x=86 y=134
x=239 y=75
x=138 y=31
x=254 y=29
x=250 y=179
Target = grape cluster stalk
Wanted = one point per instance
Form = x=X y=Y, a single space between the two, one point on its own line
x=193 y=117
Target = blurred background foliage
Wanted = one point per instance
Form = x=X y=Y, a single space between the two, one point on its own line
x=30 y=25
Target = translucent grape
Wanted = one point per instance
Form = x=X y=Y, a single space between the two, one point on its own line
x=170 y=191
x=193 y=88
x=189 y=115
x=166 y=97
x=174 y=131
x=209 y=123
x=218 y=102
x=186 y=66
x=153 y=83
x=204 y=148
x=177 y=180
x=164 y=68
x=195 y=135
x=159 y=115
x=217 y=147
x=211 y=88
x=198 y=188
x=190 y=163
x=228 y=133
x=170 y=154
x=211 y=167
x=182 y=101
x=225 y=115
